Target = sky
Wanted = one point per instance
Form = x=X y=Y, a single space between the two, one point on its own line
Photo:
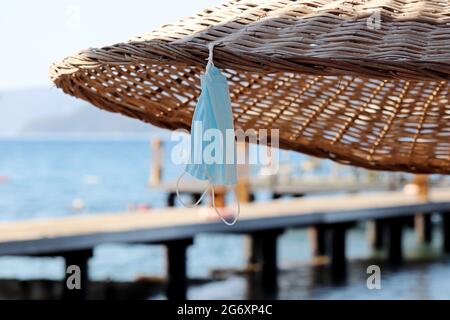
x=33 y=34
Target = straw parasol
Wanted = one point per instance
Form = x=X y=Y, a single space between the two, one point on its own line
x=360 y=82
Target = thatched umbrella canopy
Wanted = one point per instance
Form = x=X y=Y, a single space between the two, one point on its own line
x=336 y=81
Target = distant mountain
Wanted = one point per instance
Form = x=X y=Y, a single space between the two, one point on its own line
x=19 y=107
x=88 y=120
x=48 y=111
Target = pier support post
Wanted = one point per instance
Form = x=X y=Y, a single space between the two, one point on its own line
x=76 y=261
x=423 y=228
x=219 y=196
x=317 y=236
x=377 y=234
x=297 y=195
x=395 y=237
x=264 y=254
x=157 y=158
x=337 y=244
x=171 y=199
x=276 y=195
x=196 y=197
x=446 y=231
x=176 y=268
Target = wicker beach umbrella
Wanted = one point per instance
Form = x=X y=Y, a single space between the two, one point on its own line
x=360 y=82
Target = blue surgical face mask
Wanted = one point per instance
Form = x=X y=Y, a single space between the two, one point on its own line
x=213 y=147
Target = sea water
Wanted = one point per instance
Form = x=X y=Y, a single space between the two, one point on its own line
x=54 y=178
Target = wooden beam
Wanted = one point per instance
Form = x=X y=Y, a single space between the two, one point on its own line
x=176 y=269
x=421 y=181
x=336 y=245
x=446 y=231
x=264 y=254
x=276 y=195
x=395 y=239
x=157 y=158
x=78 y=259
x=196 y=197
x=377 y=234
x=219 y=196
x=317 y=237
x=423 y=228
x=171 y=199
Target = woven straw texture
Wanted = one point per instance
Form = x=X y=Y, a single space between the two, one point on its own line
x=337 y=81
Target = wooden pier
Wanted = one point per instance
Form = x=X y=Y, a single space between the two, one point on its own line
x=75 y=237
x=195 y=188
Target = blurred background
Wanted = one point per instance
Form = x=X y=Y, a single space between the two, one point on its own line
x=61 y=157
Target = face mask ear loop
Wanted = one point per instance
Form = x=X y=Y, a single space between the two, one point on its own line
x=211 y=55
x=236 y=216
x=178 y=193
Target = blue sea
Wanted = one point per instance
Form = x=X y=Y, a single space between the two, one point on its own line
x=45 y=178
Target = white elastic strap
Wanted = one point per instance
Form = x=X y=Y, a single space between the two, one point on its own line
x=211 y=53
x=238 y=211
x=178 y=193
